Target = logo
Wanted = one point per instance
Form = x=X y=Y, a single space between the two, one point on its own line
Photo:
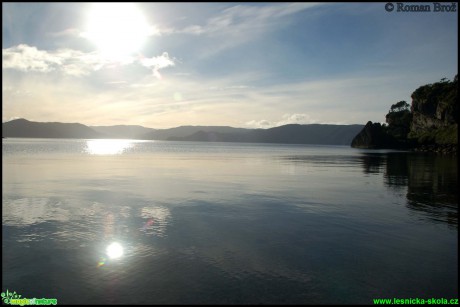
x=12 y=298
x=426 y=7
x=389 y=7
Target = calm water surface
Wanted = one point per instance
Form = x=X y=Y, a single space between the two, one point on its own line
x=225 y=223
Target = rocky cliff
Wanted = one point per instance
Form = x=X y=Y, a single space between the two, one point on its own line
x=373 y=136
x=432 y=122
x=435 y=113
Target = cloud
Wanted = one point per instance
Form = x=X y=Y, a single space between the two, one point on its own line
x=157 y=63
x=26 y=58
x=72 y=62
x=259 y=123
x=30 y=59
x=298 y=118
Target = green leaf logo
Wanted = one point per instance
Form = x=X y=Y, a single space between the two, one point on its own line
x=8 y=296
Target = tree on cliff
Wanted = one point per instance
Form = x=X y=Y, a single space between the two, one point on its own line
x=399 y=120
x=400 y=106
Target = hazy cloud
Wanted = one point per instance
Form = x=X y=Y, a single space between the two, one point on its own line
x=71 y=32
x=231 y=87
x=241 y=23
x=241 y=17
x=194 y=29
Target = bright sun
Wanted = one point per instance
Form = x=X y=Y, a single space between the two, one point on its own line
x=117 y=29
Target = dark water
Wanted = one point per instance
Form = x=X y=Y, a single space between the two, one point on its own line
x=223 y=223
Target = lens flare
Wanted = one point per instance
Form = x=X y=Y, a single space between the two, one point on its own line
x=101 y=262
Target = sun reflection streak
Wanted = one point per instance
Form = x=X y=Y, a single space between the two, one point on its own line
x=107 y=147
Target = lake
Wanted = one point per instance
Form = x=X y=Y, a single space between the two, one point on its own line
x=157 y=222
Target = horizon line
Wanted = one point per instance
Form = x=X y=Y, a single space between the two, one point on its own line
x=50 y=122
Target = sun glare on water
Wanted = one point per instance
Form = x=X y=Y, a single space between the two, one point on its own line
x=114 y=250
x=117 y=29
x=107 y=147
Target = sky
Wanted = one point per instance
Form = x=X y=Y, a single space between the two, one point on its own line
x=249 y=65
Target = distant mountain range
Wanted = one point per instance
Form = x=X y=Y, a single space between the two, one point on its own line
x=320 y=134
